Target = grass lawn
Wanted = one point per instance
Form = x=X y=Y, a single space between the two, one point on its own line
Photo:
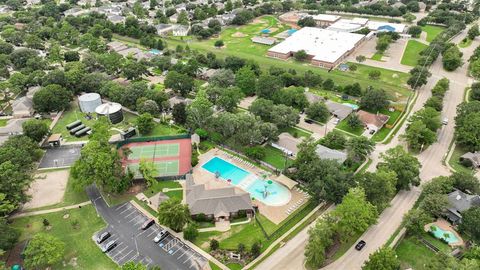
x=412 y=53
x=381 y=134
x=455 y=160
x=275 y=157
x=234 y=266
x=297 y=132
x=377 y=56
x=161 y=129
x=74 y=114
x=214 y=266
x=78 y=240
x=413 y=254
x=159 y=186
x=3 y=122
x=343 y=125
x=432 y=31
x=175 y=194
x=465 y=43
x=437 y=243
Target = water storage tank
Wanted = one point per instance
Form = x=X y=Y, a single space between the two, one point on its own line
x=88 y=102
x=112 y=110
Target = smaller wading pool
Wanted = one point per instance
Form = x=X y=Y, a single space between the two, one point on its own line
x=448 y=236
x=267 y=191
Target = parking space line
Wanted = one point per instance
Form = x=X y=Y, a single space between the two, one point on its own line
x=125 y=210
x=125 y=255
x=154 y=231
x=120 y=206
x=189 y=258
x=185 y=252
x=119 y=252
x=133 y=212
x=134 y=218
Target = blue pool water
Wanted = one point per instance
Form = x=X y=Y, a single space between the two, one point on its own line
x=276 y=194
x=226 y=170
x=353 y=106
x=155 y=51
x=440 y=234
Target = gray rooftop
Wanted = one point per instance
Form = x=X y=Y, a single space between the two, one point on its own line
x=216 y=202
x=461 y=201
x=338 y=110
x=326 y=153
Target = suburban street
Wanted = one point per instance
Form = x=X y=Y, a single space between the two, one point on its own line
x=432 y=166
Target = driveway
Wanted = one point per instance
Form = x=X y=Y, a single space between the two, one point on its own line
x=133 y=244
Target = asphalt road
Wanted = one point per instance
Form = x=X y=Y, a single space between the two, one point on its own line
x=432 y=166
x=133 y=244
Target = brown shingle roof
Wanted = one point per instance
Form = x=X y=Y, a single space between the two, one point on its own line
x=378 y=120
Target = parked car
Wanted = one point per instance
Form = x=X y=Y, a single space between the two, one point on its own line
x=336 y=121
x=108 y=246
x=162 y=234
x=445 y=121
x=308 y=121
x=360 y=245
x=147 y=224
x=102 y=237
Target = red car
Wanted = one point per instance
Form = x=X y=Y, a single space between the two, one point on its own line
x=147 y=224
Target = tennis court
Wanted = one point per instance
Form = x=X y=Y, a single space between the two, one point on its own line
x=154 y=151
x=170 y=156
x=162 y=168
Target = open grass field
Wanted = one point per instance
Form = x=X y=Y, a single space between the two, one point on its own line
x=3 y=122
x=74 y=114
x=244 y=48
x=343 y=125
x=412 y=52
x=455 y=162
x=432 y=31
x=377 y=56
x=465 y=43
x=76 y=232
x=413 y=254
x=275 y=157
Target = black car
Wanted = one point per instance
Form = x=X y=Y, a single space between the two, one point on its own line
x=102 y=237
x=147 y=224
x=360 y=245
x=308 y=121
x=108 y=246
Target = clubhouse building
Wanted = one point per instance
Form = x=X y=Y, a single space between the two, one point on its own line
x=325 y=48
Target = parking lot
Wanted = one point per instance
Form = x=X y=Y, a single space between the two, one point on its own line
x=134 y=244
x=60 y=156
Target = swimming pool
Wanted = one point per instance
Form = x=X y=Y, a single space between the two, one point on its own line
x=353 y=106
x=267 y=191
x=448 y=236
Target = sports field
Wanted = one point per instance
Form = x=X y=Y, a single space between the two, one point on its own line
x=170 y=157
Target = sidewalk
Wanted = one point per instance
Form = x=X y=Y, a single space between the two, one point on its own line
x=47 y=211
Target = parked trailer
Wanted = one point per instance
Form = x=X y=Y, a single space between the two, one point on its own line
x=82 y=132
x=74 y=124
x=77 y=128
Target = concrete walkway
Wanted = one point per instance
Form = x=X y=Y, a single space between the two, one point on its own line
x=47 y=211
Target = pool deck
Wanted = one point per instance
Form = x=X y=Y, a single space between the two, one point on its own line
x=274 y=213
x=446 y=226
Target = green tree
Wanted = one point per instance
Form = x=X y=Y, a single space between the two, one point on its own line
x=43 y=250
x=382 y=259
x=429 y=116
x=219 y=43
x=318 y=111
x=9 y=235
x=360 y=58
x=359 y=148
x=148 y=171
x=452 y=58
x=379 y=187
x=183 y=18
x=473 y=32
x=334 y=140
x=354 y=215
x=267 y=85
x=229 y=99
x=419 y=136
x=405 y=165
x=415 y=31
x=145 y=123
x=415 y=221
x=214 y=244
x=466 y=182
x=35 y=129
x=353 y=121
x=179 y=113
x=307 y=21
x=474 y=68
x=222 y=78
x=320 y=238
x=245 y=79
x=174 y=214
x=52 y=98
x=468 y=132
x=434 y=204
x=99 y=162
x=134 y=70
x=418 y=77
x=178 y=82
x=374 y=100
x=190 y=232
x=300 y=55
x=471 y=223
x=199 y=111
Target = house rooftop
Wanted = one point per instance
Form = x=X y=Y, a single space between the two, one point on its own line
x=370 y=119
x=326 y=153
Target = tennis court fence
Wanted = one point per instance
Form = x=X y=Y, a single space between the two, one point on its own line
x=153 y=139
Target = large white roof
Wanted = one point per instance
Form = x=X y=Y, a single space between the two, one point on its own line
x=325 y=45
x=108 y=108
x=326 y=17
x=374 y=25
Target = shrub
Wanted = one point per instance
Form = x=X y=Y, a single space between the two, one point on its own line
x=202 y=133
x=255 y=152
x=214 y=244
x=190 y=232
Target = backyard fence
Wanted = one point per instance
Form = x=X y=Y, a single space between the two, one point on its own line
x=153 y=139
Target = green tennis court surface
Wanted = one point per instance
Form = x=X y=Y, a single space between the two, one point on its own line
x=163 y=168
x=154 y=151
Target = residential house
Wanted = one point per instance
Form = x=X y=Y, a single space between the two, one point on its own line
x=180 y=30
x=218 y=204
x=177 y=99
x=459 y=203
x=340 y=111
x=75 y=12
x=113 y=18
x=312 y=98
x=372 y=122
x=473 y=157
x=324 y=152
x=163 y=29
x=205 y=73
